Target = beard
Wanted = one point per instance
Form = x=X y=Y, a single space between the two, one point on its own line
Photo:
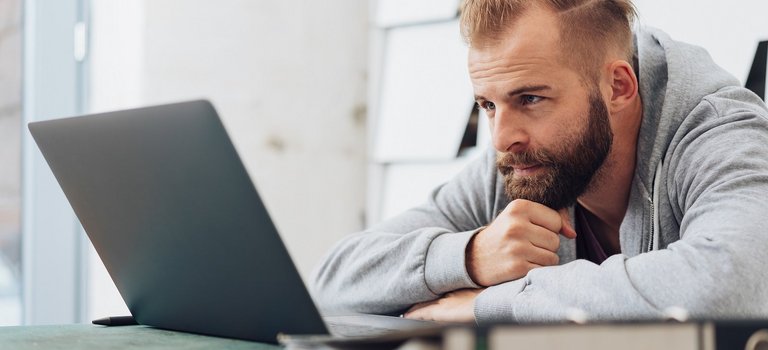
x=568 y=169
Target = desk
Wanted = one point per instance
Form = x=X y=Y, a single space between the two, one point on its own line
x=86 y=336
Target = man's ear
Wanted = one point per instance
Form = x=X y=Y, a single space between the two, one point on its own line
x=624 y=86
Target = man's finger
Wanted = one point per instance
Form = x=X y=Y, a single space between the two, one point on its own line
x=541 y=215
x=417 y=310
x=420 y=313
x=567 y=230
x=542 y=257
x=544 y=238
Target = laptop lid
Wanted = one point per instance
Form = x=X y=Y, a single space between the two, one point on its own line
x=180 y=227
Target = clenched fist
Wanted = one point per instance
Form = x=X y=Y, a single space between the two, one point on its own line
x=524 y=236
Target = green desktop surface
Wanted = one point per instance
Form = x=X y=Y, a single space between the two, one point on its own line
x=86 y=336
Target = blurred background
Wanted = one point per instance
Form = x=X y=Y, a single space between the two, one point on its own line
x=345 y=112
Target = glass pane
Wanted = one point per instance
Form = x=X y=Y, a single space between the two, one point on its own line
x=10 y=155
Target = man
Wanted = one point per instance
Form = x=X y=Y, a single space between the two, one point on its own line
x=655 y=155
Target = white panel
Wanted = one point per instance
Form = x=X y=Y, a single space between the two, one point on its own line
x=426 y=95
x=51 y=240
x=399 y=12
x=408 y=185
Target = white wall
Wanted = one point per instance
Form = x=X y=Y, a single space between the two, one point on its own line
x=729 y=30
x=289 y=81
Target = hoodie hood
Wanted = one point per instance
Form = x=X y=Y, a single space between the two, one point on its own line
x=674 y=77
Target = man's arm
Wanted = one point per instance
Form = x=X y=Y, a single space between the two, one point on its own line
x=414 y=257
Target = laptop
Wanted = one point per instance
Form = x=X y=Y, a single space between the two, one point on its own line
x=166 y=201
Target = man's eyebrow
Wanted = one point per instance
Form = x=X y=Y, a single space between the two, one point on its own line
x=528 y=88
x=521 y=90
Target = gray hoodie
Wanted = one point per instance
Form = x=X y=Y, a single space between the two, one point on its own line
x=693 y=237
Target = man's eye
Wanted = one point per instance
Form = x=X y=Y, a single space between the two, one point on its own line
x=530 y=99
x=488 y=106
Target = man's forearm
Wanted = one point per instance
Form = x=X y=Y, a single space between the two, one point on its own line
x=386 y=273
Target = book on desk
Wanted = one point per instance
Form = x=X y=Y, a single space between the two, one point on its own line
x=693 y=335
x=704 y=335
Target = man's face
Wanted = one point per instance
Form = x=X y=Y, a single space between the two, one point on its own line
x=551 y=132
x=568 y=166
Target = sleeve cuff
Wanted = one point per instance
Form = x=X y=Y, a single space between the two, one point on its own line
x=445 y=268
x=494 y=304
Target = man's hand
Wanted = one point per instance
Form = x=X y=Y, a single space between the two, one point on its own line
x=456 y=306
x=523 y=237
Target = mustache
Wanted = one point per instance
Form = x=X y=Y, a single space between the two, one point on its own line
x=507 y=161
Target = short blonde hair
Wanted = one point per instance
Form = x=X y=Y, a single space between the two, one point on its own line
x=588 y=28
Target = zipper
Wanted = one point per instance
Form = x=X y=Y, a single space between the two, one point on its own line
x=653 y=238
x=653 y=224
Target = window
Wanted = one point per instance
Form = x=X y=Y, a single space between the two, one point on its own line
x=10 y=152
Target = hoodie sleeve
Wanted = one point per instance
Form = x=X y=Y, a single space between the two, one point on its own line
x=717 y=187
x=414 y=257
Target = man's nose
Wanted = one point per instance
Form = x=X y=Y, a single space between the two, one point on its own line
x=508 y=132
